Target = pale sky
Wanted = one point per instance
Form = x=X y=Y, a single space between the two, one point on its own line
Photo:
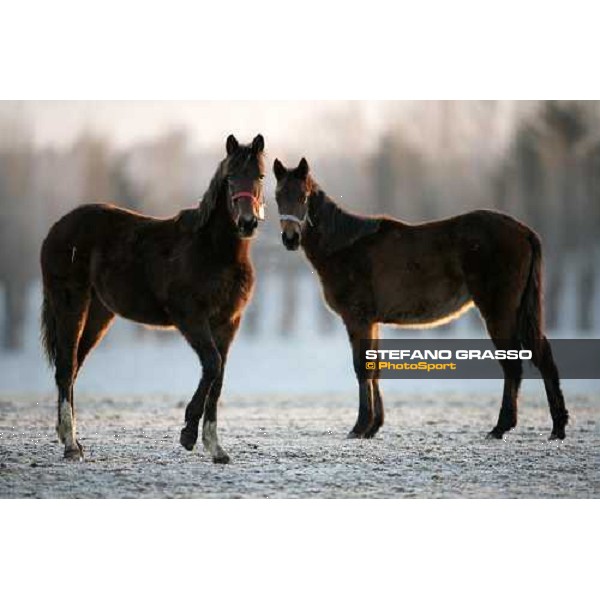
x=290 y=123
x=289 y=126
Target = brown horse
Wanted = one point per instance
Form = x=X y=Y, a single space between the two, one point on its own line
x=192 y=272
x=380 y=270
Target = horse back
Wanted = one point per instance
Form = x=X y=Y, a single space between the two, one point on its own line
x=97 y=246
x=423 y=274
x=142 y=268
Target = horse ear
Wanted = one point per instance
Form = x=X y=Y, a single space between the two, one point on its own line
x=302 y=169
x=279 y=169
x=258 y=144
x=232 y=144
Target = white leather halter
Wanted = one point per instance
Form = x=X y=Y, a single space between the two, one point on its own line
x=295 y=219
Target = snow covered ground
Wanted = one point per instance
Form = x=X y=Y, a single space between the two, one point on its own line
x=287 y=405
x=432 y=445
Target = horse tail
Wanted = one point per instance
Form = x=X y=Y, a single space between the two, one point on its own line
x=531 y=315
x=48 y=327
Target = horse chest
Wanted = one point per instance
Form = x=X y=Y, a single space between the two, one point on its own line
x=346 y=290
x=229 y=289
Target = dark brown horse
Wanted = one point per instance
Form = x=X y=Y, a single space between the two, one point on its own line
x=192 y=272
x=380 y=270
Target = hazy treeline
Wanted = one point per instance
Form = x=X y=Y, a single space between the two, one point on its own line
x=537 y=161
x=547 y=173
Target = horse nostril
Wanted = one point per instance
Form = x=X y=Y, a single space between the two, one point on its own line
x=291 y=240
x=248 y=223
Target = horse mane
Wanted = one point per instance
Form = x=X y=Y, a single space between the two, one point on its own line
x=338 y=227
x=210 y=197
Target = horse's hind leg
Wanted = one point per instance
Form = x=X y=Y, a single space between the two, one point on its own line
x=513 y=374
x=70 y=313
x=501 y=325
x=547 y=367
x=498 y=299
x=97 y=322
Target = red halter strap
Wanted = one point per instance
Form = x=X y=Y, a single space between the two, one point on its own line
x=245 y=195
x=258 y=206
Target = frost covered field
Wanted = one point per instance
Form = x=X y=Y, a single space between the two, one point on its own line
x=286 y=407
x=294 y=446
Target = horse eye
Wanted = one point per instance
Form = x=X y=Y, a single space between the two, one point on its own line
x=261 y=176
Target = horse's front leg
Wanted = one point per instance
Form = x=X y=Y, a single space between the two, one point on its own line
x=378 y=411
x=200 y=338
x=224 y=335
x=364 y=422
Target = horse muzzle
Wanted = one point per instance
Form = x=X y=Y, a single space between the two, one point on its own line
x=290 y=239
x=247 y=226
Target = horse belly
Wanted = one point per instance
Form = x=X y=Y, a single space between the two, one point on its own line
x=130 y=297
x=427 y=298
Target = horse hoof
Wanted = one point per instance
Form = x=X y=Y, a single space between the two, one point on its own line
x=494 y=435
x=187 y=440
x=355 y=435
x=371 y=433
x=74 y=453
x=59 y=435
x=221 y=459
x=557 y=436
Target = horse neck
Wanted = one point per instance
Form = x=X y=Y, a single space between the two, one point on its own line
x=221 y=234
x=311 y=236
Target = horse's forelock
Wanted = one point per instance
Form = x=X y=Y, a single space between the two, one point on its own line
x=242 y=156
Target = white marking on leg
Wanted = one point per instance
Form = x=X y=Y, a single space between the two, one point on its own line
x=66 y=425
x=210 y=441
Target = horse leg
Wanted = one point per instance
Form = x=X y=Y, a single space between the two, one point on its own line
x=199 y=336
x=513 y=374
x=378 y=412
x=502 y=328
x=97 y=323
x=556 y=401
x=364 y=420
x=71 y=310
x=499 y=303
x=223 y=337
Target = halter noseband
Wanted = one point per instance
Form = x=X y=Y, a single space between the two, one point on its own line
x=256 y=203
x=295 y=219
